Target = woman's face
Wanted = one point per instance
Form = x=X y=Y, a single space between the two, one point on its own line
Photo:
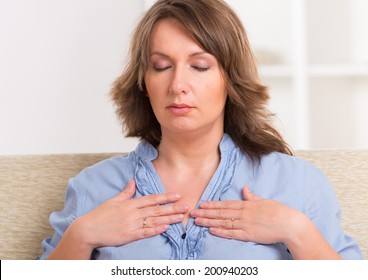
x=185 y=84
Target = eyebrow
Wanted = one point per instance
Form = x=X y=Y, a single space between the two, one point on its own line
x=165 y=55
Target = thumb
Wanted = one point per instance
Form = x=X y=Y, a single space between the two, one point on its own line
x=248 y=195
x=128 y=191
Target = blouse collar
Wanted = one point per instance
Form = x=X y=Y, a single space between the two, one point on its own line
x=146 y=151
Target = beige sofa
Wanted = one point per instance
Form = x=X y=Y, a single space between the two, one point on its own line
x=31 y=187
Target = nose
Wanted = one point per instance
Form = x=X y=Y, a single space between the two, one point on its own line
x=179 y=82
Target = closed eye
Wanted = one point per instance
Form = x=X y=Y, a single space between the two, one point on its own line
x=200 y=69
x=161 y=69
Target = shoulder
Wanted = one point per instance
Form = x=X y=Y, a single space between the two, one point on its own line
x=289 y=165
x=305 y=178
x=107 y=178
x=119 y=166
x=290 y=179
x=303 y=172
x=101 y=181
x=279 y=169
x=109 y=169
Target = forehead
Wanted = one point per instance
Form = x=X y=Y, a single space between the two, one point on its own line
x=169 y=32
x=168 y=23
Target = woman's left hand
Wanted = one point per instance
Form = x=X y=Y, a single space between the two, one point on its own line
x=254 y=219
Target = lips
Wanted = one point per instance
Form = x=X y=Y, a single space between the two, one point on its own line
x=179 y=109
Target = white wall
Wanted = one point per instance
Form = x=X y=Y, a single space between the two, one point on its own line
x=57 y=62
x=59 y=58
x=335 y=43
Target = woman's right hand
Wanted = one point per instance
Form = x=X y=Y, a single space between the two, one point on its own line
x=119 y=221
x=122 y=220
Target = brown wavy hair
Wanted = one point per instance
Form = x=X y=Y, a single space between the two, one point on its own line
x=219 y=31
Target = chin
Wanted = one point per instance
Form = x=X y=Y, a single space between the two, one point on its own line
x=180 y=125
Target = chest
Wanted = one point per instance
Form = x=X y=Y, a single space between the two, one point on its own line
x=190 y=184
x=190 y=193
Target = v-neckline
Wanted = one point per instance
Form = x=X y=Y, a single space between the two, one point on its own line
x=206 y=195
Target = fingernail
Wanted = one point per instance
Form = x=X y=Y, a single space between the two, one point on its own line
x=204 y=204
x=164 y=227
x=194 y=212
x=198 y=221
x=247 y=189
x=175 y=196
x=130 y=183
x=183 y=208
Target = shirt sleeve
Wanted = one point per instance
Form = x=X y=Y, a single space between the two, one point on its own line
x=322 y=207
x=61 y=220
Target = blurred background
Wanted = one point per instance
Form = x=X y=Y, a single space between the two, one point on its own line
x=58 y=60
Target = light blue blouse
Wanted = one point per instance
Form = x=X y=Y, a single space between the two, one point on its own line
x=289 y=180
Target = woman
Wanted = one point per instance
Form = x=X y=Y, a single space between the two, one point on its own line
x=211 y=178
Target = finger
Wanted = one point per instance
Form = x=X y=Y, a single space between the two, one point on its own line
x=228 y=233
x=221 y=214
x=157 y=199
x=128 y=192
x=163 y=210
x=162 y=220
x=226 y=204
x=217 y=223
x=146 y=232
x=248 y=195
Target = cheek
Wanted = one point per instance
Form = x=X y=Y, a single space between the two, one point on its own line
x=151 y=91
x=215 y=92
x=155 y=96
x=155 y=86
x=148 y=83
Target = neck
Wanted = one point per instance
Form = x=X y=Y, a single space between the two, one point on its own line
x=192 y=150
